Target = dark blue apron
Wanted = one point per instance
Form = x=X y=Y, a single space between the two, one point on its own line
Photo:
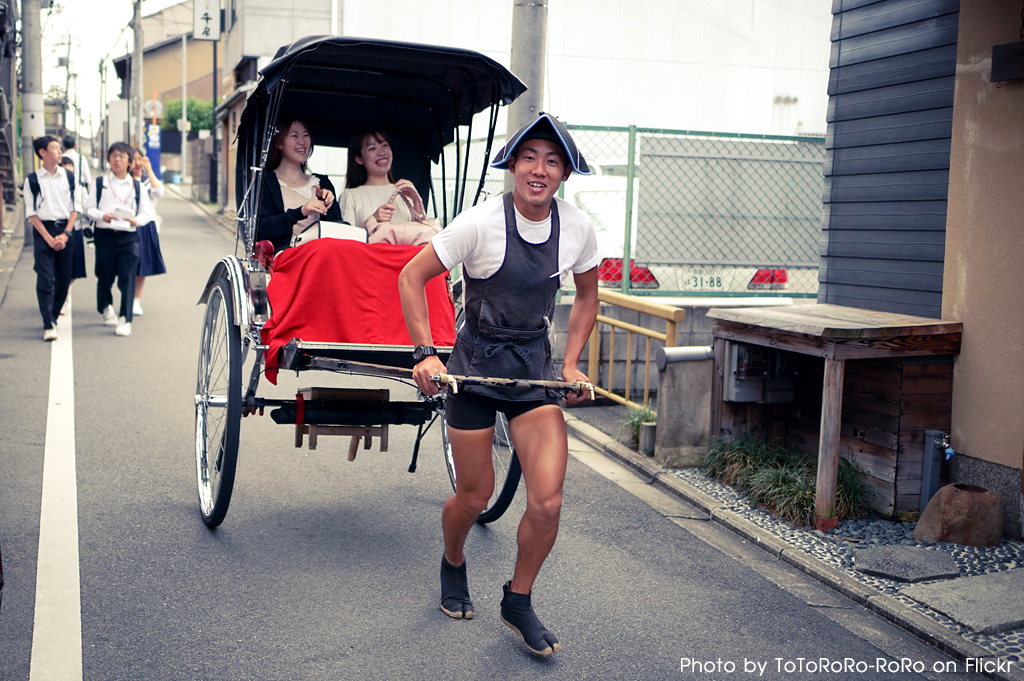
x=508 y=315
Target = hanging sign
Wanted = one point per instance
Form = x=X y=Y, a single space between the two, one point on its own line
x=206 y=20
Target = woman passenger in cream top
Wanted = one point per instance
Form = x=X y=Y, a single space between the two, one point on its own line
x=369 y=184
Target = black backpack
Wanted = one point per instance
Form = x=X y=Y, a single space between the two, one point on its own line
x=33 y=185
x=99 y=192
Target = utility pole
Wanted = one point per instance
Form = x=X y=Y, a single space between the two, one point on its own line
x=214 y=176
x=101 y=153
x=67 y=86
x=32 y=122
x=529 y=50
x=136 y=79
x=183 y=125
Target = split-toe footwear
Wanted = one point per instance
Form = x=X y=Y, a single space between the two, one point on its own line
x=517 y=613
x=455 y=591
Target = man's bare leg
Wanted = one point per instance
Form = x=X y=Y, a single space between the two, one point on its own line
x=540 y=440
x=471 y=450
x=541 y=443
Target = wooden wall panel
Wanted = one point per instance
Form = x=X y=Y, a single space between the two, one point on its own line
x=884 y=244
x=893 y=65
x=930 y=124
x=904 y=68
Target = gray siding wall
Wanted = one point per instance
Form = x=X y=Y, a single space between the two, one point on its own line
x=890 y=117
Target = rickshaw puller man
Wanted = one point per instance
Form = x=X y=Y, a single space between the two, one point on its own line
x=514 y=250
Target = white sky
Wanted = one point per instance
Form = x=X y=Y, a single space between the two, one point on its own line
x=94 y=27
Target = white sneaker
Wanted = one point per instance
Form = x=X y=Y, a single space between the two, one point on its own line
x=109 y=316
x=124 y=328
x=50 y=334
x=137 y=308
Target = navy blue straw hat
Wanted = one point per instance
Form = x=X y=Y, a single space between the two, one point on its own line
x=545 y=127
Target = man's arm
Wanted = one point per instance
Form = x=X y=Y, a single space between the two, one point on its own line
x=37 y=224
x=412 y=284
x=581 y=322
x=56 y=243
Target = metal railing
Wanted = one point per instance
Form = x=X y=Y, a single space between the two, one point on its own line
x=693 y=213
x=671 y=315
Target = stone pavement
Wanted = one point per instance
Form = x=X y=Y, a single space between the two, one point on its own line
x=920 y=590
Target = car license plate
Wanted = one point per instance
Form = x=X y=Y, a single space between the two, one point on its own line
x=703 y=279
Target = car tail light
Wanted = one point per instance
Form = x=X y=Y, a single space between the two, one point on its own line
x=609 y=274
x=769 y=280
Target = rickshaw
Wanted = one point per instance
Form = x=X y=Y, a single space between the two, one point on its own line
x=422 y=95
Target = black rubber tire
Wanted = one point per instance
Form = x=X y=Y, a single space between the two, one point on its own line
x=218 y=405
x=506 y=465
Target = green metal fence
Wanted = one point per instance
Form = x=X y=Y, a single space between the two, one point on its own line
x=681 y=213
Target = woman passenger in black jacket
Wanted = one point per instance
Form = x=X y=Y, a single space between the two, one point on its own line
x=293 y=199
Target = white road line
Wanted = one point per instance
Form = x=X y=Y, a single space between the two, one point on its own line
x=57 y=633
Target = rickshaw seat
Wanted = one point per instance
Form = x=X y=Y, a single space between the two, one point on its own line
x=344 y=291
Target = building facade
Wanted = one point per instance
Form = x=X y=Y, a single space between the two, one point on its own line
x=924 y=174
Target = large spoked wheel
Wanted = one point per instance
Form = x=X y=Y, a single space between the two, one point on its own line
x=506 y=467
x=218 y=405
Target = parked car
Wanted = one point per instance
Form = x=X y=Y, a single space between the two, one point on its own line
x=709 y=215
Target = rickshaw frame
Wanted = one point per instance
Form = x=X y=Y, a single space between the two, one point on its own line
x=422 y=95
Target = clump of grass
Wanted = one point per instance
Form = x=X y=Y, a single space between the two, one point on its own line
x=782 y=481
x=635 y=416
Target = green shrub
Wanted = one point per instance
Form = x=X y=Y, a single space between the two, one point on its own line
x=634 y=417
x=781 y=481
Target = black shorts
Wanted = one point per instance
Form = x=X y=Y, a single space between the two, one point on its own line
x=467 y=411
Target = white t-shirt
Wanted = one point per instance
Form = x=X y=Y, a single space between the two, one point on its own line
x=476 y=238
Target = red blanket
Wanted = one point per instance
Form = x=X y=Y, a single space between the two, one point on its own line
x=342 y=291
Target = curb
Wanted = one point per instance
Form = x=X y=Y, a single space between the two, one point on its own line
x=923 y=627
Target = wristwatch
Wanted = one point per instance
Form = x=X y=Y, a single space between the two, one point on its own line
x=422 y=352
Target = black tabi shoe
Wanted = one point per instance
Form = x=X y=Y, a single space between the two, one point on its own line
x=518 y=615
x=455 y=591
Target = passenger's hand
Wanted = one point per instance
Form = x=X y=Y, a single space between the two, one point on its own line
x=325 y=195
x=424 y=371
x=133 y=222
x=572 y=375
x=314 y=206
x=408 y=189
x=384 y=213
x=107 y=217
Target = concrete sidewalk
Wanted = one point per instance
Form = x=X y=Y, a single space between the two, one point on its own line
x=965 y=598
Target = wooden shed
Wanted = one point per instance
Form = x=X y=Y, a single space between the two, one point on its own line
x=866 y=387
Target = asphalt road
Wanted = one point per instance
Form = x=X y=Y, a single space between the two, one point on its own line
x=326 y=569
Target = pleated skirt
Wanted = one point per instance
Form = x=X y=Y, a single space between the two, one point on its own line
x=151 y=260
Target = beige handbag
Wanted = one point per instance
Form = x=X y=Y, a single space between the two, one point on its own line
x=415 y=233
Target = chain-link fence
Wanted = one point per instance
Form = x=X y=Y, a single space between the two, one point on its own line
x=693 y=213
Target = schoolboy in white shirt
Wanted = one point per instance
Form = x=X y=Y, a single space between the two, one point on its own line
x=52 y=206
x=117 y=204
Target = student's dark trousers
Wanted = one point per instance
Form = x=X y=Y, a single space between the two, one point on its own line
x=117 y=256
x=53 y=272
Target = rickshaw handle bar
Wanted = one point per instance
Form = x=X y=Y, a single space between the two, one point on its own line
x=579 y=387
x=331 y=364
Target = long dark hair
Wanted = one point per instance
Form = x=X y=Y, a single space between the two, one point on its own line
x=284 y=126
x=356 y=175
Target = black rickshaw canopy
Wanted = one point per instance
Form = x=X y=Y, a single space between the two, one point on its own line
x=339 y=86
